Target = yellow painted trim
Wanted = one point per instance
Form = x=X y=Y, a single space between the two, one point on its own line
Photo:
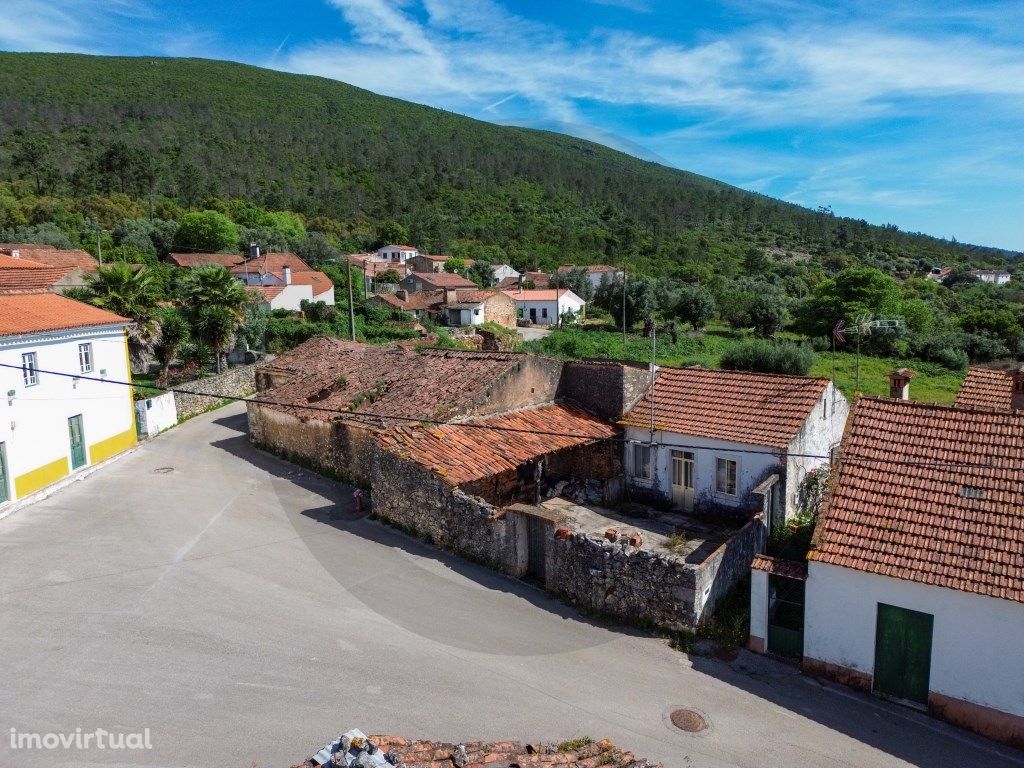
x=104 y=449
x=32 y=481
x=131 y=390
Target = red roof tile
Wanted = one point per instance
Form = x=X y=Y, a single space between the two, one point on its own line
x=342 y=379
x=536 y=294
x=987 y=388
x=266 y=292
x=779 y=567
x=9 y=262
x=31 y=280
x=443 y=280
x=931 y=494
x=763 y=409
x=202 y=259
x=53 y=257
x=461 y=453
x=37 y=312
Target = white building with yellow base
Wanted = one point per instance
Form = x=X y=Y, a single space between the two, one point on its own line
x=52 y=426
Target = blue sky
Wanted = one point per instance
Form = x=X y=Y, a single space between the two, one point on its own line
x=909 y=113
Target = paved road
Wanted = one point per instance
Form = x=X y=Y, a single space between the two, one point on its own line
x=201 y=590
x=533 y=332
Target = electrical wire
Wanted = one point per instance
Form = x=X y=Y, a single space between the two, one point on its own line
x=382 y=418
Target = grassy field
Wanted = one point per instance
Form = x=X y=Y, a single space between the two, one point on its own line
x=933 y=383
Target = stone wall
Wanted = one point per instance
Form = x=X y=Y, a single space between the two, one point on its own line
x=533 y=381
x=236 y=382
x=635 y=585
x=607 y=389
x=500 y=309
x=728 y=565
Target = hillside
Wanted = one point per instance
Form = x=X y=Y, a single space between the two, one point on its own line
x=74 y=126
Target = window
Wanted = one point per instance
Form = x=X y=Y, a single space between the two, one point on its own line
x=85 y=358
x=725 y=477
x=544 y=312
x=30 y=369
x=642 y=461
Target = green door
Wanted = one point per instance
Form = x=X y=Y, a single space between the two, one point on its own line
x=903 y=653
x=5 y=493
x=77 y=442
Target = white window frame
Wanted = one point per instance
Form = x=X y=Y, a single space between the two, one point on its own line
x=30 y=368
x=719 y=461
x=642 y=469
x=85 y=357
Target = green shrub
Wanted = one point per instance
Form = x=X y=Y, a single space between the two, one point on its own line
x=769 y=357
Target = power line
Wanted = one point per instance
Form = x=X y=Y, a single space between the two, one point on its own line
x=385 y=417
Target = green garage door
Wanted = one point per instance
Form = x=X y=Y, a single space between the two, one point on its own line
x=903 y=653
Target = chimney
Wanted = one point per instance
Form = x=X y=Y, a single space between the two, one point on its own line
x=899 y=383
x=254 y=250
x=15 y=254
x=287 y=275
x=451 y=295
x=402 y=295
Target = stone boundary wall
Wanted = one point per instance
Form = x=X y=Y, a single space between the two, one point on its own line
x=236 y=382
x=729 y=564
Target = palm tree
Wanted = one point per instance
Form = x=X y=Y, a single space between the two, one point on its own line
x=173 y=336
x=132 y=293
x=213 y=302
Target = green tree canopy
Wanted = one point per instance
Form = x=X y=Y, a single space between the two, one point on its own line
x=206 y=231
x=852 y=292
x=694 y=305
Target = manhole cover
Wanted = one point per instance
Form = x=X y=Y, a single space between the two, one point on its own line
x=688 y=720
x=163 y=470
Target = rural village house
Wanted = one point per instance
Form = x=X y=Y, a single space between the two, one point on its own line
x=916 y=564
x=595 y=273
x=547 y=306
x=433 y=281
x=67 y=268
x=282 y=280
x=510 y=459
x=56 y=425
x=454 y=306
x=707 y=439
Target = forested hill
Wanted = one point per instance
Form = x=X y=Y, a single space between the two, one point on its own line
x=76 y=126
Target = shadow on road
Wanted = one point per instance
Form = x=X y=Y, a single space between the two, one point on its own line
x=927 y=743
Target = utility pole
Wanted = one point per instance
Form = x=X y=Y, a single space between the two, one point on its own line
x=351 y=309
x=99 y=245
x=623 y=309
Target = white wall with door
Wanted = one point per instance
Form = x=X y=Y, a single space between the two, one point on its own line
x=720 y=471
x=975 y=643
x=39 y=411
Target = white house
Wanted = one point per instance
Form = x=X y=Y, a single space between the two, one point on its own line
x=503 y=271
x=547 y=306
x=397 y=254
x=283 y=280
x=915 y=579
x=54 y=425
x=995 y=276
x=708 y=438
x=595 y=272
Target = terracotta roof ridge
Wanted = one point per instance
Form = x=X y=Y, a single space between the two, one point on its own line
x=947 y=407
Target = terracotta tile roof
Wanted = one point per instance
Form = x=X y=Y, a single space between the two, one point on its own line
x=477 y=296
x=444 y=280
x=35 y=312
x=341 y=379
x=424 y=300
x=537 y=294
x=30 y=280
x=763 y=409
x=539 y=279
x=929 y=493
x=53 y=257
x=266 y=292
x=779 y=567
x=9 y=262
x=508 y=282
x=460 y=453
x=202 y=259
x=986 y=388
x=319 y=282
x=390 y=299
x=435 y=754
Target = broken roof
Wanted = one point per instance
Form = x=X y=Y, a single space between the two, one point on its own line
x=931 y=494
x=764 y=409
x=466 y=451
x=987 y=388
x=345 y=379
